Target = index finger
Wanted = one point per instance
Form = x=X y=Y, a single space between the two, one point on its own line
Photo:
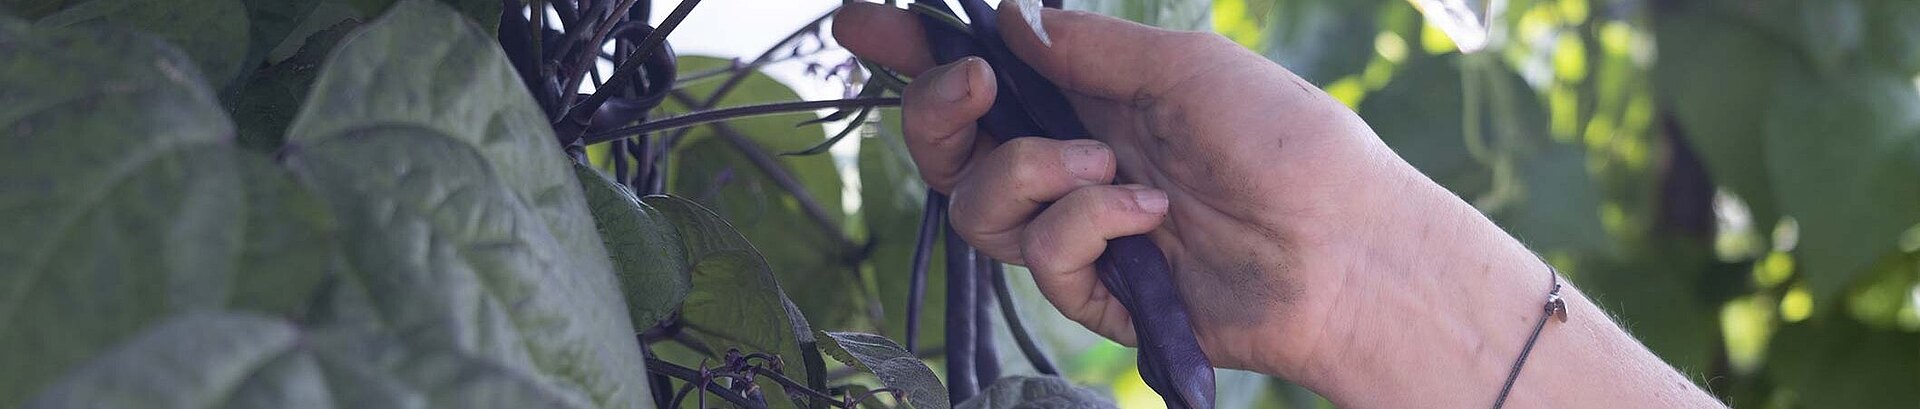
x=889 y=36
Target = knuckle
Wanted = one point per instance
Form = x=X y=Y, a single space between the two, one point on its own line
x=1025 y=163
x=1040 y=250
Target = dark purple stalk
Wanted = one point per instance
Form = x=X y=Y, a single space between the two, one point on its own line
x=658 y=382
x=580 y=113
x=1010 y=312
x=960 y=377
x=986 y=360
x=1133 y=269
x=694 y=376
x=727 y=114
x=930 y=222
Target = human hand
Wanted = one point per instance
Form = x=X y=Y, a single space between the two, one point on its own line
x=1273 y=201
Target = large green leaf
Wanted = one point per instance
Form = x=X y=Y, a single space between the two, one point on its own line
x=121 y=201
x=1894 y=39
x=484 y=12
x=425 y=65
x=896 y=368
x=1035 y=392
x=270 y=22
x=237 y=360
x=1717 y=77
x=1418 y=114
x=809 y=259
x=213 y=32
x=1547 y=200
x=1321 y=40
x=1842 y=364
x=647 y=251
x=736 y=302
x=450 y=256
x=1842 y=154
x=1559 y=207
x=1655 y=292
x=31 y=9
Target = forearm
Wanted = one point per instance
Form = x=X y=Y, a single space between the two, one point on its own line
x=1456 y=303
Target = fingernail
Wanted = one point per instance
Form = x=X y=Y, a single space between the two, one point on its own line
x=1086 y=160
x=957 y=82
x=1150 y=200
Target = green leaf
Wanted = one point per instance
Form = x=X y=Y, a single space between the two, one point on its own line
x=449 y=255
x=1191 y=15
x=264 y=106
x=121 y=201
x=1321 y=40
x=1842 y=364
x=1035 y=392
x=647 y=254
x=736 y=302
x=424 y=65
x=1656 y=291
x=269 y=24
x=1417 y=114
x=484 y=12
x=31 y=9
x=213 y=32
x=896 y=368
x=809 y=259
x=1718 y=76
x=1894 y=40
x=1841 y=154
x=237 y=360
x=1559 y=207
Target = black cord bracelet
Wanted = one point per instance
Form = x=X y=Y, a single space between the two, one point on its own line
x=1556 y=308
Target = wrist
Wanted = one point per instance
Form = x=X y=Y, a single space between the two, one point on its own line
x=1438 y=306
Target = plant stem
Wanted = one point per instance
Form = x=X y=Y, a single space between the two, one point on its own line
x=690 y=375
x=591 y=48
x=625 y=72
x=794 y=385
x=727 y=114
x=1011 y=314
x=930 y=218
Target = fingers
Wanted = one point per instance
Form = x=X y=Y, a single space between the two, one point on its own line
x=1004 y=189
x=1068 y=236
x=1061 y=244
x=885 y=35
x=1106 y=56
x=938 y=110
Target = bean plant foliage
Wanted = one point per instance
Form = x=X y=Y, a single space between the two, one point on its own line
x=281 y=203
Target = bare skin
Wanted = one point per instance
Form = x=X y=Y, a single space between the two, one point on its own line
x=1304 y=247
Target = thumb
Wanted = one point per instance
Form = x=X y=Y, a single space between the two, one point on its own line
x=1099 y=55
